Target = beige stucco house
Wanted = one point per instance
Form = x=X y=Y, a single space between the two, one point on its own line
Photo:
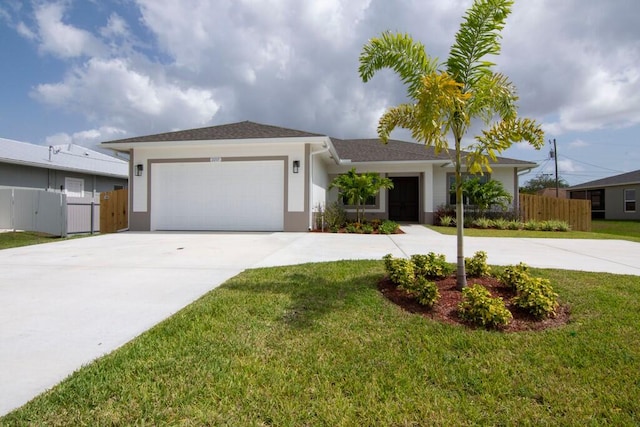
x=248 y=176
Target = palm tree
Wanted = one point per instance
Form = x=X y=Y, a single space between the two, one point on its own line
x=445 y=98
x=356 y=188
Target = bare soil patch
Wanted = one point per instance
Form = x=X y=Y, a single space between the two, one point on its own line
x=446 y=308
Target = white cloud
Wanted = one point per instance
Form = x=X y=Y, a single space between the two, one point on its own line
x=578 y=143
x=87 y=138
x=112 y=90
x=60 y=39
x=25 y=31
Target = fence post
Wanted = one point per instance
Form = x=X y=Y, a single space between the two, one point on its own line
x=91 y=226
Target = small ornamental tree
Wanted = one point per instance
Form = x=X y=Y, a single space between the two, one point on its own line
x=485 y=195
x=356 y=188
x=445 y=98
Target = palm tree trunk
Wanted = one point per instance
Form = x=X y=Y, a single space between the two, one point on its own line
x=461 y=276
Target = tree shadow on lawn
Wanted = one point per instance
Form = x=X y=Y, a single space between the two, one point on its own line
x=314 y=290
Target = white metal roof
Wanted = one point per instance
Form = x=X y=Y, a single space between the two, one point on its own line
x=68 y=157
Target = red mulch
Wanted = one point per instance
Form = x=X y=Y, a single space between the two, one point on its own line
x=446 y=308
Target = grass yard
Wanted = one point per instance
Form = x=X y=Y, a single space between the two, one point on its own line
x=24 y=238
x=318 y=345
x=601 y=229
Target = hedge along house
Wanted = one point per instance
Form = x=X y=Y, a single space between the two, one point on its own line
x=253 y=177
x=615 y=197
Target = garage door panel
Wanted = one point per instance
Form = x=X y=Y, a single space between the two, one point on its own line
x=242 y=196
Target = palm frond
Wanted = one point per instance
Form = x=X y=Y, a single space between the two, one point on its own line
x=498 y=138
x=493 y=94
x=401 y=54
x=478 y=37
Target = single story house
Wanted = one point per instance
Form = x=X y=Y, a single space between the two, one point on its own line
x=256 y=177
x=611 y=198
x=73 y=169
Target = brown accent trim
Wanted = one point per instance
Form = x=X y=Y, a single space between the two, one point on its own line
x=141 y=221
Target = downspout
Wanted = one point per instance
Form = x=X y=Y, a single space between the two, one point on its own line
x=324 y=150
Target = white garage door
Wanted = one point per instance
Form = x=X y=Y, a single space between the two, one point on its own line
x=233 y=196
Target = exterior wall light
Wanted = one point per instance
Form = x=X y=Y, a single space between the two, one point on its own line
x=139 y=169
x=296 y=166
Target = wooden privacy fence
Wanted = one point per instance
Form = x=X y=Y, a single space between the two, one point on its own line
x=577 y=213
x=114 y=211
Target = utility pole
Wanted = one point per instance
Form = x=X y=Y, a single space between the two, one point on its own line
x=554 y=155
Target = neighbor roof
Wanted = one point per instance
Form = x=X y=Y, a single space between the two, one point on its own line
x=240 y=130
x=625 y=178
x=373 y=150
x=69 y=157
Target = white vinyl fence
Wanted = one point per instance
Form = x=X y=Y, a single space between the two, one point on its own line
x=33 y=210
x=48 y=212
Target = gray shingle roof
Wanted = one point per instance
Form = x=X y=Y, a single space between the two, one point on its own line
x=67 y=157
x=240 y=130
x=373 y=150
x=625 y=178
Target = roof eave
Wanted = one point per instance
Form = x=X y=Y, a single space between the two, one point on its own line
x=127 y=146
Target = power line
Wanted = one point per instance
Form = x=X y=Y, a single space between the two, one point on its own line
x=592 y=165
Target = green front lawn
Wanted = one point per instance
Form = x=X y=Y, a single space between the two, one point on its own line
x=24 y=238
x=620 y=230
x=318 y=345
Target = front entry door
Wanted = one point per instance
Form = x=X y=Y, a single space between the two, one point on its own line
x=404 y=199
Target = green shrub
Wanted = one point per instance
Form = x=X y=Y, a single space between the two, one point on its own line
x=501 y=223
x=425 y=291
x=335 y=216
x=476 y=266
x=531 y=225
x=401 y=272
x=388 y=227
x=447 y=221
x=375 y=223
x=432 y=266
x=514 y=225
x=514 y=274
x=388 y=263
x=480 y=308
x=536 y=296
x=353 y=227
x=367 y=228
x=482 y=222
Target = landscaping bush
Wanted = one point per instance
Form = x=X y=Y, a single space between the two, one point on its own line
x=480 y=308
x=536 y=295
x=401 y=272
x=388 y=227
x=425 y=291
x=514 y=224
x=447 y=221
x=501 y=223
x=513 y=275
x=531 y=226
x=432 y=266
x=367 y=228
x=482 y=222
x=354 y=227
x=335 y=216
x=476 y=266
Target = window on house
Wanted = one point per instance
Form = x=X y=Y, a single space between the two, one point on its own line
x=451 y=185
x=74 y=187
x=597 y=200
x=630 y=200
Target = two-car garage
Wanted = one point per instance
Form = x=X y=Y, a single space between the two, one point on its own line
x=214 y=194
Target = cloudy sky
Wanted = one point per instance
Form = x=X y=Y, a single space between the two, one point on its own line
x=87 y=71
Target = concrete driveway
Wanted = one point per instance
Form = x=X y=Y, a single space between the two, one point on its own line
x=66 y=303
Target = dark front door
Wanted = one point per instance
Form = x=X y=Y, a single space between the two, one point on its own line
x=403 y=199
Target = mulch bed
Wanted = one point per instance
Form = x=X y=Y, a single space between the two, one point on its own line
x=446 y=308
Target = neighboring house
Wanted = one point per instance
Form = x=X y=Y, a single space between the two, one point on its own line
x=615 y=197
x=255 y=177
x=75 y=170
